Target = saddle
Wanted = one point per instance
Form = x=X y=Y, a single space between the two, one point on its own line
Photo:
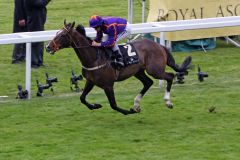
x=129 y=54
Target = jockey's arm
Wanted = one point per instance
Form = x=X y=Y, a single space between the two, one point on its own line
x=112 y=36
x=99 y=36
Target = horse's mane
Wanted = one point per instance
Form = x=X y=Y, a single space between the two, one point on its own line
x=80 y=29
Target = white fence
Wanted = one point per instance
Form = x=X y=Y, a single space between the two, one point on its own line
x=161 y=27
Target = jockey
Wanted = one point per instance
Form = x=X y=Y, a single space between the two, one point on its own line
x=115 y=28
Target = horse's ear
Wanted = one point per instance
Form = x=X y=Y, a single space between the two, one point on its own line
x=73 y=24
x=65 y=23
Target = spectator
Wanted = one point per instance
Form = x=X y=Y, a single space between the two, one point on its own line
x=36 y=18
x=19 y=25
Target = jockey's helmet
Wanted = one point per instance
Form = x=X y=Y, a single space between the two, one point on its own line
x=95 y=21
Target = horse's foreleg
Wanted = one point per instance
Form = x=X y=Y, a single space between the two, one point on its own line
x=169 y=78
x=147 y=83
x=111 y=98
x=88 y=87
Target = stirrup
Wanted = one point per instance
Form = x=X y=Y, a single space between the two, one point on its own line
x=120 y=63
x=117 y=64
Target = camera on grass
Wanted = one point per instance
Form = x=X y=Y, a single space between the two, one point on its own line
x=22 y=94
x=201 y=75
x=74 y=82
x=42 y=87
x=180 y=77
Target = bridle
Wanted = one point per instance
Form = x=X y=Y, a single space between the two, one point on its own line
x=56 y=48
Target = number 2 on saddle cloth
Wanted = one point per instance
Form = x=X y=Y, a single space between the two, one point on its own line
x=129 y=54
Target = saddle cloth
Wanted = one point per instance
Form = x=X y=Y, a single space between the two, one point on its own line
x=129 y=53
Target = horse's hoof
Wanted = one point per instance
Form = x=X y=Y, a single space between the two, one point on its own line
x=138 y=110
x=132 y=111
x=97 y=106
x=169 y=104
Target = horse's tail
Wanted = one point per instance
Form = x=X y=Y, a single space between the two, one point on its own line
x=171 y=62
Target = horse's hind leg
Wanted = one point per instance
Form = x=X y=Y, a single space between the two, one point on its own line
x=88 y=87
x=111 y=98
x=169 y=78
x=160 y=74
x=147 y=83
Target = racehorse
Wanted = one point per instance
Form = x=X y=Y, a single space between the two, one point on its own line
x=97 y=68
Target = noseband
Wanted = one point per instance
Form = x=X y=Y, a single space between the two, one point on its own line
x=56 y=48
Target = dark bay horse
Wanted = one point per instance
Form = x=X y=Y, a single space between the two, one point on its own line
x=97 y=69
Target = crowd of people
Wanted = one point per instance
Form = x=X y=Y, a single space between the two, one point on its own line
x=29 y=16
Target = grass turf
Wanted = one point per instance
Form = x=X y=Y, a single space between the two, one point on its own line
x=59 y=127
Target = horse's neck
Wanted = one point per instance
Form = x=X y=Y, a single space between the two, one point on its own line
x=86 y=54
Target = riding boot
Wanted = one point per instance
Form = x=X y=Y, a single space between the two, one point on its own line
x=119 y=59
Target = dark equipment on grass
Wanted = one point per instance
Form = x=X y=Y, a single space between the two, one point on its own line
x=74 y=82
x=22 y=94
x=212 y=109
x=201 y=75
x=48 y=85
x=50 y=80
x=180 y=77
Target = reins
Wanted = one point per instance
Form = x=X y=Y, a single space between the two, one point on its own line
x=71 y=40
x=79 y=47
x=94 y=68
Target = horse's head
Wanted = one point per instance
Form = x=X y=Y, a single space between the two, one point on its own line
x=62 y=38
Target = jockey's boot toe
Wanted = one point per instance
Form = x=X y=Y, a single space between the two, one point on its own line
x=120 y=64
x=117 y=64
